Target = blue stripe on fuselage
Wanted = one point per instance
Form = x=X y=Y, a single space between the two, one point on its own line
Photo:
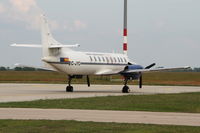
x=89 y=63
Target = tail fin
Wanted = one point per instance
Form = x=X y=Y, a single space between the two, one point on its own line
x=47 y=38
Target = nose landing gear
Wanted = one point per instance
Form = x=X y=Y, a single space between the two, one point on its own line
x=126 y=89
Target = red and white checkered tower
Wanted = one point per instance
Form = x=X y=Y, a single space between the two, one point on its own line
x=125 y=44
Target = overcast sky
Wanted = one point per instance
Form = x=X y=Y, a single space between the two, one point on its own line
x=166 y=32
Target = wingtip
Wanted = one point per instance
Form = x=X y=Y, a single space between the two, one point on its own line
x=78 y=45
x=17 y=64
x=187 y=67
x=42 y=15
x=14 y=44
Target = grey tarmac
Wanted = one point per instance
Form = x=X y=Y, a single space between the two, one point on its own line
x=30 y=92
x=161 y=118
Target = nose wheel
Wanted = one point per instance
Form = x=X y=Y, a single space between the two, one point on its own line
x=126 y=89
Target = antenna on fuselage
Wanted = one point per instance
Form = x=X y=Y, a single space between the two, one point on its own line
x=125 y=43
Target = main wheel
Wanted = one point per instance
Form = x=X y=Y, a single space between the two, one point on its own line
x=125 y=89
x=69 y=89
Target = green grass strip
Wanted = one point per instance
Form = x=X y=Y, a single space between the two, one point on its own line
x=159 y=78
x=186 y=102
x=43 y=126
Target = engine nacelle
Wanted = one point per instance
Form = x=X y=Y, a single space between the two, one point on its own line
x=133 y=67
x=78 y=76
x=132 y=76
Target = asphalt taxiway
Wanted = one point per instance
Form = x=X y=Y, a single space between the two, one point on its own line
x=29 y=92
x=161 y=118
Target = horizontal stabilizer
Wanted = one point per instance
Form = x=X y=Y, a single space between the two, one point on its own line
x=40 y=68
x=40 y=46
x=64 y=46
x=27 y=45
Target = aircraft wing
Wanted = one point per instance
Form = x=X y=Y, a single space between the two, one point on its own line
x=154 y=70
x=107 y=72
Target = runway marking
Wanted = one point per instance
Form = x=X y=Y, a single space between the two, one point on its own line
x=161 y=118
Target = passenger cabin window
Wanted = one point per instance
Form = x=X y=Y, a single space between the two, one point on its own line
x=125 y=59
x=99 y=59
x=115 y=60
x=91 y=58
x=103 y=59
x=118 y=59
x=111 y=59
x=121 y=59
x=95 y=59
x=107 y=59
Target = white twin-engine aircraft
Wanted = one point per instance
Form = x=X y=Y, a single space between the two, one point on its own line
x=76 y=64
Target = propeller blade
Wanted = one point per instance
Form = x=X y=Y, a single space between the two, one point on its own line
x=88 y=81
x=150 y=66
x=140 y=82
x=130 y=63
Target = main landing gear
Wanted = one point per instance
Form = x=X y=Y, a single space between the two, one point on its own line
x=69 y=88
x=125 y=89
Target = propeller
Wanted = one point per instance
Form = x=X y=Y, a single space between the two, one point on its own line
x=140 y=79
x=150 y=66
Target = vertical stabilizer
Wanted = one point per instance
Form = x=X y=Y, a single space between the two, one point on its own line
x=125 y=43
x=47 y=38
